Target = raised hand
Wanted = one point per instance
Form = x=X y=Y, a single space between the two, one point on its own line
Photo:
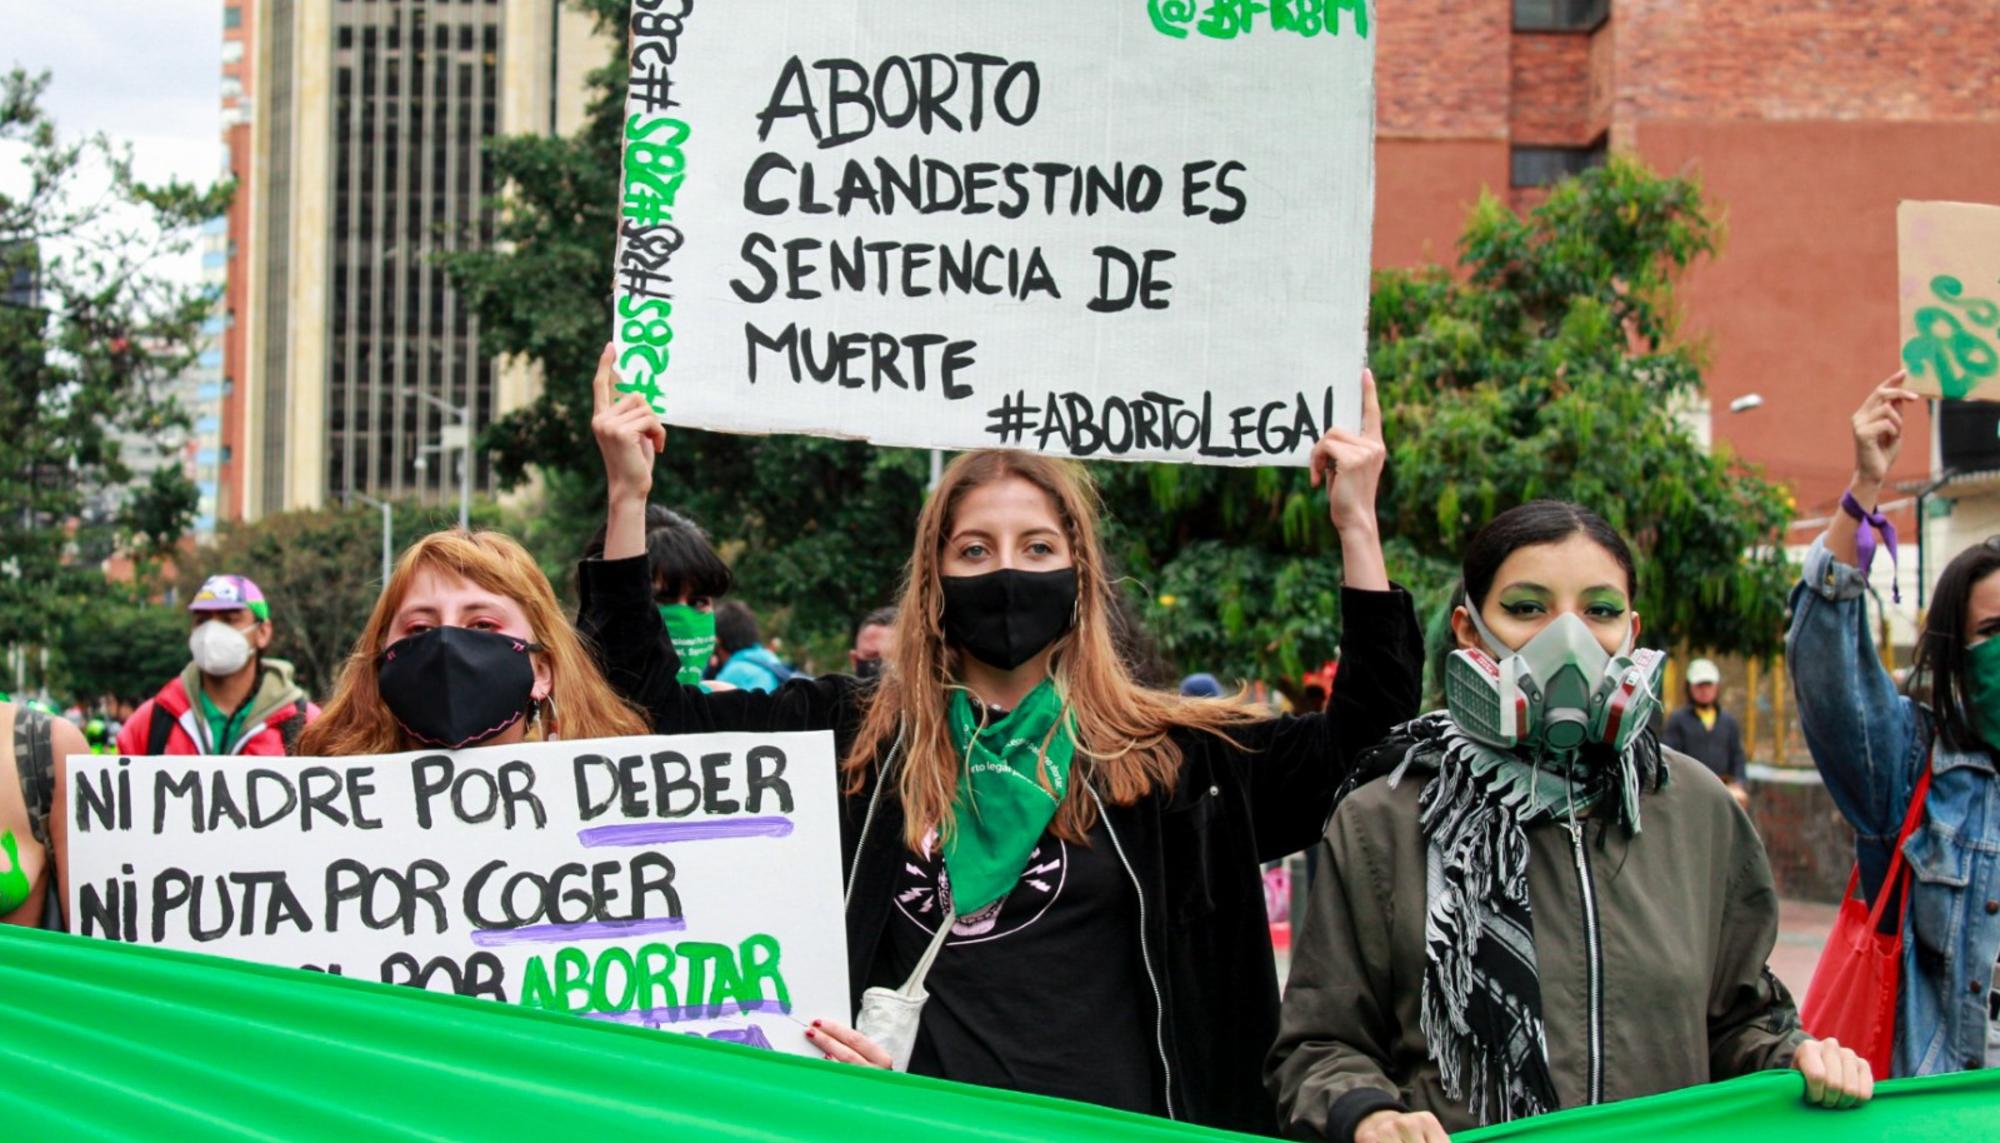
x=630 y=437
x=1350 y=466
x=1878 y=434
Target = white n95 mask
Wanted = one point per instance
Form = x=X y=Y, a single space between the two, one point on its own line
x=218 y=648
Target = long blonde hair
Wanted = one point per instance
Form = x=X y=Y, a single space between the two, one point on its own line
x=357 y=721
x=1122 y=729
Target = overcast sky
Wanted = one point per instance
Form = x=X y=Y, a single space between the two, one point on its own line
x=148 y=72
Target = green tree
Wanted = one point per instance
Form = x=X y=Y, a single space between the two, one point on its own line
x=119 y=646
x=1547 y=366
x=89 y=334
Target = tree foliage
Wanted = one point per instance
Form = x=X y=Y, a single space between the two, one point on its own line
x=89 y=337
x=1546 y=365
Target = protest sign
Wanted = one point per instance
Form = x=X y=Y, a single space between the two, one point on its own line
x=1948 y=261
x=690 y=883
x=1135 y=229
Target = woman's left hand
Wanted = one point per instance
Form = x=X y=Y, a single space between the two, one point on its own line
x=1835 y=1076
x=1350 y=465
x=843 y=1043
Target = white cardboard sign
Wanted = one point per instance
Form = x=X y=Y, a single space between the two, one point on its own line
x=690 y=883
x=1135 y=229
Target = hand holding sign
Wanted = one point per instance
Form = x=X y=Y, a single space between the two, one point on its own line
x=630 y=437
x=1350 y=465
x=1878 y=430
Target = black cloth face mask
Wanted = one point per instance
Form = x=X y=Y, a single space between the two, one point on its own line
x=453 y=686
x=1005 y=618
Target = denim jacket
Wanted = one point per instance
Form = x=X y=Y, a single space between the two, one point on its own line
x=1868 y=742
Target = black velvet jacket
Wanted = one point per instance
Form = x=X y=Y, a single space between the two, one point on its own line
x=1192 y=854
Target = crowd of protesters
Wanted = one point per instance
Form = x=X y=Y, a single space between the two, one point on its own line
x=1538 y=896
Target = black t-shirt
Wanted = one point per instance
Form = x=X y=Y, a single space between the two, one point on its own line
x=1043 y=991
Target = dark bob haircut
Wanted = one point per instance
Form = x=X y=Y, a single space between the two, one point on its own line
x=678 y=553
x=1538 y=522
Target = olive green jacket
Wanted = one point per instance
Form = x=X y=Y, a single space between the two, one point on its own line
x=1685 y=912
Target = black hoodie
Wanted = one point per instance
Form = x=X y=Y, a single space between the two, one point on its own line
x=1193 y=853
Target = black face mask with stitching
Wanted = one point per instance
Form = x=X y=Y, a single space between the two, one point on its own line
x=1005 y=618
x=455 y=687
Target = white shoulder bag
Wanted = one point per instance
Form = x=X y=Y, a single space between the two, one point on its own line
x=890 y=1016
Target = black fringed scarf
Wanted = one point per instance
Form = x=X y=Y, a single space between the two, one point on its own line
x=1482 y=1002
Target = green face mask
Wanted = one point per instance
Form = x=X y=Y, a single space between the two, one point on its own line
x=1982 y=682
x=693 y=633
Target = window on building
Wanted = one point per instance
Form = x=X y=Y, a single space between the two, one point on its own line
x=1560 y=15
x=232 y=17
x=1545 y=166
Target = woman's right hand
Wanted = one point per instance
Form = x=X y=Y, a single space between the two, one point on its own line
x=630 y=436
x=1400 y=1127
x=1878 y=435
x=842 y=1043
x=628 y=433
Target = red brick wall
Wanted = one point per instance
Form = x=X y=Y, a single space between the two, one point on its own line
x=1810 y=845
x=1423 y=189
x=1441 y=68
x=1552 y=104
x=1805 y=59
x=1800 y=306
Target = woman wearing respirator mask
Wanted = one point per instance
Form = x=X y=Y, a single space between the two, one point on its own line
x=1052 y=872
x=1597 y=911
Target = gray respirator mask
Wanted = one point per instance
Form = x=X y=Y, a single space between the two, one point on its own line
x=1559 y=693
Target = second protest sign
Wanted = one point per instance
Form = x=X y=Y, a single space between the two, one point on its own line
x=686 y=883
x=1131 y=228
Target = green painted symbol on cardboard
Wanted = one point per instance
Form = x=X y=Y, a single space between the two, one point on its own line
x=15 y=887
x=1960 y=359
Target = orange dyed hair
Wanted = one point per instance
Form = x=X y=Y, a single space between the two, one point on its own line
x=357 y=721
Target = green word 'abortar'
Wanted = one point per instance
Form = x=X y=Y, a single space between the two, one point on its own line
x=701 y=978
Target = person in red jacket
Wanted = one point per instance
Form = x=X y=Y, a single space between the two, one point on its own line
x=231 y=699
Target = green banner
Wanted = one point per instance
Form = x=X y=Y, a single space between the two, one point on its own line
x=110 y=1041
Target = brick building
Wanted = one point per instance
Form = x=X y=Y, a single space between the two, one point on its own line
x=1806 y=122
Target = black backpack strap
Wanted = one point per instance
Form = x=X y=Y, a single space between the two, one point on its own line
x=293 y=726
x=35 y=763
x=159 y=731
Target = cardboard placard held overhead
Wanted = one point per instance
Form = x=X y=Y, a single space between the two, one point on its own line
x=1135 y=229
x=1948 y=263
x=689 y=883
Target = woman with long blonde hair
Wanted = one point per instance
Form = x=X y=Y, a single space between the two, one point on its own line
x=466 y=646
x=1071 y=858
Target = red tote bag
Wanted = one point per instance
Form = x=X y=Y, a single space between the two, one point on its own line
x=1852 y=997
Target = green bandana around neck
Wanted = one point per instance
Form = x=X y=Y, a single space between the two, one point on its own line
x=1001 y=809
x=693 y=633
x=1982 y=685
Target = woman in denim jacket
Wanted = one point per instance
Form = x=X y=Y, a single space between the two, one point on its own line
x=1870 y=741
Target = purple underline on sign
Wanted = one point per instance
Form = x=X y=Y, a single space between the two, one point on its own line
x=659 y=833
x=584 y=931
x=657 y=1016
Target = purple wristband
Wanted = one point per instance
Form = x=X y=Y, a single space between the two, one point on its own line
x=1872 y=524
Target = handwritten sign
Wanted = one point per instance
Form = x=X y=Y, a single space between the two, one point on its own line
x=1948 y=256
x=685 y=883
x=1125 y=228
